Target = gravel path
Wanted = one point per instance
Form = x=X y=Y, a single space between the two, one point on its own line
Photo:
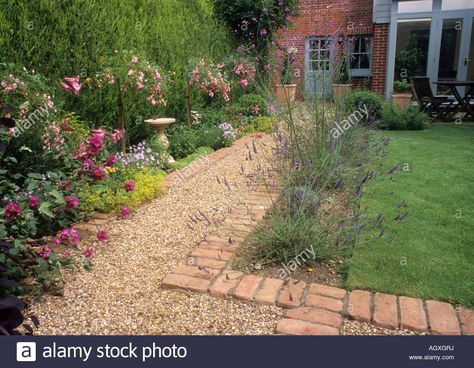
x=361 y=328
x=122 y=294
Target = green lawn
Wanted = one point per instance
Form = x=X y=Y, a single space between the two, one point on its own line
x=432 y=255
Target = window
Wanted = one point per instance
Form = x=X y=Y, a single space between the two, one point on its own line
x=319 y=54
x=361 y=56
x=415 y=6
x=457 y=4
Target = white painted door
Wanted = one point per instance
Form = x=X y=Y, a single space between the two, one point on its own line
x=318 y=67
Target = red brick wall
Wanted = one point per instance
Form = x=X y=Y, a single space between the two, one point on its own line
x=332 y=17
x=379 y=60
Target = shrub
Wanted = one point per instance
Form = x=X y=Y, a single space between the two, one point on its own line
x=210 y=136
x=255 y=24
x=251 y=124
x=183 y=141
x=209 y=78
x=410 y=118
x=148 y=184
x=401 y=86
x=264 y=123
x=71 y=38
x=357 y=100
x=415 y=119
x=212 y=117
x=251 y=105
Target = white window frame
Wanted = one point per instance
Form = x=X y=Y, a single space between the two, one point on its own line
x=436 y=27
x=363 y=72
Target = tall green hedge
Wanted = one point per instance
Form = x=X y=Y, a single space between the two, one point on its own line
x=70 y=37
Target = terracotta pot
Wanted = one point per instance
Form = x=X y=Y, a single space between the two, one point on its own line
x=339 y=91
x=285 y=93
x=401 y=99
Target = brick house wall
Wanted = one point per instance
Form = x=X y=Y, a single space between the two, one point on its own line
x=332 y=17
x=379 y=62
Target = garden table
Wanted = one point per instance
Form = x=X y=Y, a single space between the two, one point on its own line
x=464 y=102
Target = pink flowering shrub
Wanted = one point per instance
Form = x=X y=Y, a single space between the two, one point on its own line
x=136 y=75
x=210 y=79
x=92 y=154
x=243 y=72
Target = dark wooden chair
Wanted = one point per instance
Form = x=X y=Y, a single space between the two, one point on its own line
x=437 y=107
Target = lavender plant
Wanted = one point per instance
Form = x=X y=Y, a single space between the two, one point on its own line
x=324 y=156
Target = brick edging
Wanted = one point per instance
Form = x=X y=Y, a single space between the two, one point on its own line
x=313 y=309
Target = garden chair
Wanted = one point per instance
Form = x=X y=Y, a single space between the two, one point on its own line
x=437 y=107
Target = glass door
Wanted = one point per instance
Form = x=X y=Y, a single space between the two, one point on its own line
x=469 y=59
x=450 y=47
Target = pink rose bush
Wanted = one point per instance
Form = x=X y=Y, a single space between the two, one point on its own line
x=93 y=155
x=210 y=79
x=136 y=75
x=244 y=71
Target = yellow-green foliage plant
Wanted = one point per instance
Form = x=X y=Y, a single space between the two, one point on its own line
x=265 y=123
x=148 y=185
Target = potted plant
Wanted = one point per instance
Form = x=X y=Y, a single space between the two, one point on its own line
x=342 y=85
x=401 y=95
x=286 y=90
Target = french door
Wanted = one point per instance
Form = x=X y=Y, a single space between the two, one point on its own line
x=453 y=56
x=318 y=67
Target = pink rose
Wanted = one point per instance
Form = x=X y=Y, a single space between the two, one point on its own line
x=129 y=186
x=110 y=160
x=102 y=236
x=71 y=202
x=98 y=173
x=12 y=210
x=33 y=202
x=124 y=212
x=244 y=83
x=44 y=251
x=89 y=252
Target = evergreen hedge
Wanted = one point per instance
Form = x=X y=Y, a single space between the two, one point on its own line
x=72 y=37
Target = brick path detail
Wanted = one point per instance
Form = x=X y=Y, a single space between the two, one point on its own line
x=312 y=309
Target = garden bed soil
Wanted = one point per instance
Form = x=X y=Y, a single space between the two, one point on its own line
x=322 y=273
